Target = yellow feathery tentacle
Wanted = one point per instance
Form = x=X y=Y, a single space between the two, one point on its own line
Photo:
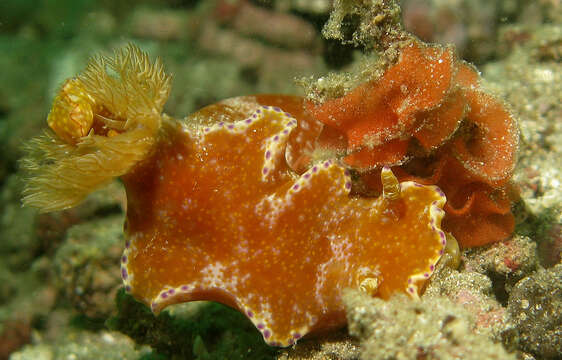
x=104 y=122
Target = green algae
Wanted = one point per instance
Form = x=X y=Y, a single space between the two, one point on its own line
x=540 y=227
x=214 y=331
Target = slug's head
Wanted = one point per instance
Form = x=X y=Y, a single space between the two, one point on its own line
x=103 y=122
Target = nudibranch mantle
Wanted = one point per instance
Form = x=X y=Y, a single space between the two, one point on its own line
x=216 y=214
x=225 y=206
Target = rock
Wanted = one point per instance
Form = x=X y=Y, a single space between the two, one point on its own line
x=87 y=265
x=505 y=262
x=336 y=345
x=400 y=328
x=85 y=345
x=535 y=309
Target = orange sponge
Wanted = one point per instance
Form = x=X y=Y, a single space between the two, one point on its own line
x=428 y=118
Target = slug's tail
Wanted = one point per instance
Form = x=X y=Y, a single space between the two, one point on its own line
x=103 y=122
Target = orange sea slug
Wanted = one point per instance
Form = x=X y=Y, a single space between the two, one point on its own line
x=215 y=212
x=429 y=120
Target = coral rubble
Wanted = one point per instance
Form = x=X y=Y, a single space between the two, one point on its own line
x=430 y=329
x=535 y=308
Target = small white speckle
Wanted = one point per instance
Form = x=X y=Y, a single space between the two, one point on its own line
x=108 y=338
x=545 y=75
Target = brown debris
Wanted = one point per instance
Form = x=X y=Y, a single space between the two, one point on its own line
x=13 y=336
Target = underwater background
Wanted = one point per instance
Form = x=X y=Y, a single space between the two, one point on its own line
x=60 y=288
